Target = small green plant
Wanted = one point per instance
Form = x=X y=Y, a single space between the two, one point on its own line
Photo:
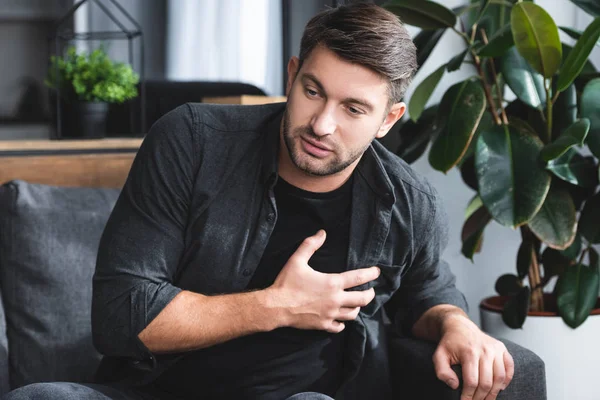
x=524 y=131
x=92 y=77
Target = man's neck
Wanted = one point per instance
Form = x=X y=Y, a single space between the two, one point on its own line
x=312 y=183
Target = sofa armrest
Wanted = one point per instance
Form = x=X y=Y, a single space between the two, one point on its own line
x=413 y=373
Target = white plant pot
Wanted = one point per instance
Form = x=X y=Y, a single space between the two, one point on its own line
x=571 y=355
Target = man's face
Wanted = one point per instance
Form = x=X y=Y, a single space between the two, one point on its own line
x=334 y=110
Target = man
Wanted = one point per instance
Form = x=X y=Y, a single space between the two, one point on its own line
x=211 y=281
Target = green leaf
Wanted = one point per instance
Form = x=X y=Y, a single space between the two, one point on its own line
x=526 y=83
x=574 y=135
x=574 y=168
x=554 y=262
x=590 y=108
x=474 y=204
x=415 y=136
x=577 y=58
x=512 y=184
x=589 y=6
x=588 y=68
x=423 y=14
x=536 y=37
x=556 y=222
x=499 y=43
x=516 y=308
x=508 y=284
x=425 y=42
x=589 y=222
x=462 y=108
x=564 y=111
x=573 y=33
x=524 y=258
x=423 y=92
x=472 y=232
x=456 y=61
x=467 y=172
x=577 y=293
x=572 y=252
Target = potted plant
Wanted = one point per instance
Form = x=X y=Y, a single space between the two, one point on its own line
x=525 y=133
x=87 y=84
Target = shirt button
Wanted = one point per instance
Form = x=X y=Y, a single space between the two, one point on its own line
x=246 y=272
x=271 y=217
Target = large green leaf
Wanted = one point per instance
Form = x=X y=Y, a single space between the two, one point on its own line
x=516 y=308
x=536 y=37
x=588 y=68
x=592 y=7
x=574 y=33
x=512 y=184
x=577 y=293
x=572 y=167
x=590 y=219
x=415 y=136
x=422 y=13
x=590 y=108
x=461 y=108
x=574 y=135
x=498 y=44
x=556 y=222
x=577 y=58
x=564 y=111
x=526 y=83
x=425 y=42
x=472 y=232
x=423 y=92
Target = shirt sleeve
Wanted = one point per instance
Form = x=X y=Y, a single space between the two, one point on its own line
x=428 y=281
x=143 y=240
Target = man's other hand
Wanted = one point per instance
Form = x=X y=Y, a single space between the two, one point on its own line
x=316 y=300
x=487 y=366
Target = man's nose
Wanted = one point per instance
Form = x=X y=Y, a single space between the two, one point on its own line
x=323 y=122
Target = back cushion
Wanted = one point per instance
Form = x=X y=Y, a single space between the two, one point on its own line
x=49 y=239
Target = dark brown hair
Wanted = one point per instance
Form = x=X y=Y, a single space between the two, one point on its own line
x=368 y=35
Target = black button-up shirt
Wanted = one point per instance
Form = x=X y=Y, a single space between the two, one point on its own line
x=197 y=211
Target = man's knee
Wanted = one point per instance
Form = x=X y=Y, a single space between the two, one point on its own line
x=309 y=396
x=62 y=391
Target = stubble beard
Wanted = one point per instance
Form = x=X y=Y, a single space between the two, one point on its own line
x=303 y=163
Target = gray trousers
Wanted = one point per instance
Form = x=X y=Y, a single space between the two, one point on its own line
x=76 y=391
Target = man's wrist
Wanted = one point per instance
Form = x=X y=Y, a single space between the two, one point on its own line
x=270 y=311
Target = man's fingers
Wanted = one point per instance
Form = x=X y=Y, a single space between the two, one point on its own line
x=358 y=298
x=309 y=245
x=357 y=277
x=348 y=313
x=486 y=378
x=470 y=369
x=443 y=371
x=509 y=367
x=335 y=327
x=499 y=377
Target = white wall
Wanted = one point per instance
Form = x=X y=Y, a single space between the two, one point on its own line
x=500 y=244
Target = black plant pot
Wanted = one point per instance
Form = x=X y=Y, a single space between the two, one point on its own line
x=83 y=120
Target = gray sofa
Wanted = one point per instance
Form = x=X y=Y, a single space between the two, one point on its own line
x=48 y=244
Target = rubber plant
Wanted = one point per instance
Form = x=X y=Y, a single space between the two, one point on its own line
x=524 y=131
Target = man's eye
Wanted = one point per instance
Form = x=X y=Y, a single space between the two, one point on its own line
x=311 y=92
x=354 y=111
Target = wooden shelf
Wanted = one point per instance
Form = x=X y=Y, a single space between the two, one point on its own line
x=23 y=146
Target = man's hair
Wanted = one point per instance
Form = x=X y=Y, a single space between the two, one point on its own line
x=368 y=35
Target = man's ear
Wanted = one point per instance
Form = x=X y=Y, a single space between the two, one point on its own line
x=292 y=70
x=394 y=114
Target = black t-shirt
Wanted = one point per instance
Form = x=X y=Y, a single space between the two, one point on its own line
x=274 y=365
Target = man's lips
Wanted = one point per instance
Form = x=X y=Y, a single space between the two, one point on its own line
x=313 y=149
x=317 y=144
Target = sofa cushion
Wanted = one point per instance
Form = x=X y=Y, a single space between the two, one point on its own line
x=49 y=239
